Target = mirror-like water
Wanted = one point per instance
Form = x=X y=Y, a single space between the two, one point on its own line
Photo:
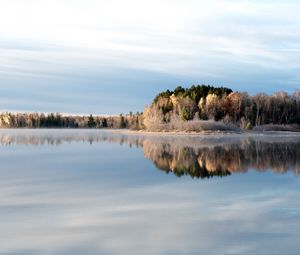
x=100 y=192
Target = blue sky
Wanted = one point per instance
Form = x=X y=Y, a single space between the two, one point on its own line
x=88 y=56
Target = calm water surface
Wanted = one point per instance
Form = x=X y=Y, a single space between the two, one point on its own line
x=98 y=192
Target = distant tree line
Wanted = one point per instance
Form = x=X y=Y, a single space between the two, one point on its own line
x=56 y=120
x=221 y=104
x=184 y=109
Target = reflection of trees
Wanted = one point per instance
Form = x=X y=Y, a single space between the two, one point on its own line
x=58 y=137
x=221 y=160
x=181 y=162
x=197 y=156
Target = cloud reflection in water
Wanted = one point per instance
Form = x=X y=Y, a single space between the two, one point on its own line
x=88 y=195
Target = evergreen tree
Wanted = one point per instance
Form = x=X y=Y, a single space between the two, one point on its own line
x=91 y=122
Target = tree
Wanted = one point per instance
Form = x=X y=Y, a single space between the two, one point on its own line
x=122 y=121
x=104 y=123
x=185 y=114
x=91 y=122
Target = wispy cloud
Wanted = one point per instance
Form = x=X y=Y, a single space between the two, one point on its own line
x=221 y=42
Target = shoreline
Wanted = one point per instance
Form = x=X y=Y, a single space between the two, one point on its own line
x=203 y=133
x=162 y=133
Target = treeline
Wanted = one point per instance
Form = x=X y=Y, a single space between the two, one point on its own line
x=185 y=109
x=56 y=120
x=223 y=105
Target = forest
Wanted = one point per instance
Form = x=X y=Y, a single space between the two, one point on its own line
x=190 y=108
x=198 y=108
x=57 y=120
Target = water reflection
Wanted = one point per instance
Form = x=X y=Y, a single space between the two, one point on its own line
x=79 y=192
x=196 y=156
x=221 y=160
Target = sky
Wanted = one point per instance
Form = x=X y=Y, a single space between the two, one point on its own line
x=111 y=57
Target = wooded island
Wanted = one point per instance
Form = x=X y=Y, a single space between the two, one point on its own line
x=198 y=108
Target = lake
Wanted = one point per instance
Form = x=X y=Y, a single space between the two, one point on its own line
x=102 y=192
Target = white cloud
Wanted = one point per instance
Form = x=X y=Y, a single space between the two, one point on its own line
x=222 y=42
x=150 y=27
